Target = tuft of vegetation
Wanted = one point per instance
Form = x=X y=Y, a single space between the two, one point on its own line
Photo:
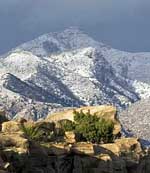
x=67 y=125
x=30 y=132
x=86 y=126
x=92 y=128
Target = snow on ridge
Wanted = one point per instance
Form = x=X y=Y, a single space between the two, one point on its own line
x=56 y=42
x=20 y=63
x=73 y=69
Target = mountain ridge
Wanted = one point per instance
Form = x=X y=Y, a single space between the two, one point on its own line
x=69 y=69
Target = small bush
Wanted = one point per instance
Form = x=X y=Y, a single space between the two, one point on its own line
x=92 y=128
x=105 y=130
x=46 y=129
x=67 y=125
x=31 y=132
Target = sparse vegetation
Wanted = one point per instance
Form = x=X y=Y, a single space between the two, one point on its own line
x=67 y=125
x=86 y=126
x=31 y=132
x=93 y=129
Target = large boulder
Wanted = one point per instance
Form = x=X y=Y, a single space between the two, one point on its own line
x=129 y=145
x=120 y=147
x=103 y=111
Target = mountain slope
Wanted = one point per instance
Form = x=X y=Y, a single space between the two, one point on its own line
x=63 y=70
x=135 y=119
x=130 y=65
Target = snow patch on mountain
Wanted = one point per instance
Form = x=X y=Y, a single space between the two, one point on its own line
x=70 y=69
x=134 y=66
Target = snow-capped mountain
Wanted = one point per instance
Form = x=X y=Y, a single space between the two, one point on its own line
x=66 y=69
x=130 y=65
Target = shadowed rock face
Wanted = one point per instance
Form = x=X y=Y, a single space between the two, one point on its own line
x=120 y=157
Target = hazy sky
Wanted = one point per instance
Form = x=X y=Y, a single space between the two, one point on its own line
x=123 y=24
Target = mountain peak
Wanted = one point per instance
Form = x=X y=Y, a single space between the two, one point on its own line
x=53 y=43
x=71 y=69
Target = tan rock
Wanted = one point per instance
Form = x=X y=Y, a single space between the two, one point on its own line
x=70 y=137
x=58 y=149
x=124 y=150
x=104 y=111
x=10 y=127
x=83 y=148
x=111 y=149
x=107 y=112
x=120 y=146
x=129 y=144
x=13 y=140
x=105 y=157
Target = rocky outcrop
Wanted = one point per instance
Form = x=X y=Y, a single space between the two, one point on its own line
x=16 y=141
x=123 y=156
x=21 y=152
x=104 y=111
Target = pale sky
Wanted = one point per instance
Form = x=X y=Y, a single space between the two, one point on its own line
x=122 y=24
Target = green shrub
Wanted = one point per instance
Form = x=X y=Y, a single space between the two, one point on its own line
x=105 y=130
x=46 y=129
x=31 y=132
x=92 y=128
x=67 y=125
